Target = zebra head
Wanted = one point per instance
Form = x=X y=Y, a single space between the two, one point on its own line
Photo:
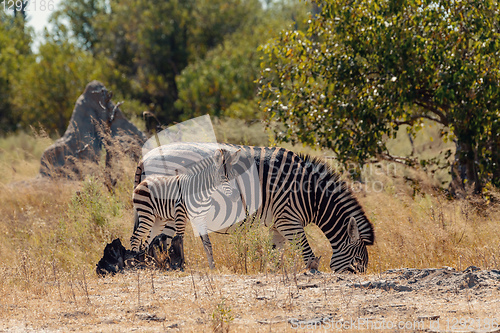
x=225 y=161
x=352 y=255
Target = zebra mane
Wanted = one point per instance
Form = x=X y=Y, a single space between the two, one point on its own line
x=321 y=166
x=329 y=174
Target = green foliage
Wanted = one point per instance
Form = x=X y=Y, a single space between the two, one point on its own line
x=224 y=77
x=214 y=20
x=175 y=58
x=95 y=206
x=82 y=16
x=239 y=131
x=223 y=83
x=50 y=83
x=148 y=44
x=253 y=248
x=15 y=50
x=252 y=251
x=222 y=317
x=363 y=68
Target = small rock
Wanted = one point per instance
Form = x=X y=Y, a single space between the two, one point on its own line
x=470 y=280
x=428 y=317
x=472 y=269
x=495 y=273
x=305 y=286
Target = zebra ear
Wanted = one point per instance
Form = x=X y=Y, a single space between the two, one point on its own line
x=230 y=157
x=219 y=156
x=352 y=230
x=234 y=157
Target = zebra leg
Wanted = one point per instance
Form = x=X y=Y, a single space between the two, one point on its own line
x=146 y=222
x=144 y=216
x=278 y=239
x=294 y=233
x=176 y=250
x=162 y=226
x=207 y=245
x=136 y=220
x=168 y=230
x=176 y=253
x=199 y=223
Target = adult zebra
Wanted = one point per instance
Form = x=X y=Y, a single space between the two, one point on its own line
x=295 y=190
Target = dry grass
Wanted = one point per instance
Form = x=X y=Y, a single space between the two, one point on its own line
x=51 y=237
x=151 y=301
x=428 y=230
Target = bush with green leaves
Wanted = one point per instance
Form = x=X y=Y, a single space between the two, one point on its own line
x=93 y=205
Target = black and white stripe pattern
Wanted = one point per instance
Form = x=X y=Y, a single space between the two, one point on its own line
x=292 y=192
x=175 y=159
x=181 y=197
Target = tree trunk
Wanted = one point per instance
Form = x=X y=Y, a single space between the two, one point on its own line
x=465 y=175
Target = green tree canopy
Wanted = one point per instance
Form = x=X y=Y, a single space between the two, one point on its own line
x=50 y=83
x=175 y=58
x=82 y=16
x=225 y=76
x=364 y=68
x=15 y=43
x=150 y=43
x=224 y=81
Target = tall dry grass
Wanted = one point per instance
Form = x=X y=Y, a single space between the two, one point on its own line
x=426 y=229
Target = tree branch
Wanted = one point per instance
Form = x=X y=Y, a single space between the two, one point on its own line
x=416 y=117
x=408 y=161
x=426 y=105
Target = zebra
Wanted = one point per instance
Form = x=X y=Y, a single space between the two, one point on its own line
x=295 y=190
x=183 y=197
x=170 y=160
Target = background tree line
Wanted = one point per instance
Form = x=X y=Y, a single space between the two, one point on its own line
x=175 y=58
x=344 y=75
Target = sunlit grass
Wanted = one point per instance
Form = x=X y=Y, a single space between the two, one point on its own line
x=20 y=156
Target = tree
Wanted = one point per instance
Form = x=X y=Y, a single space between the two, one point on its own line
x=214 y=20
x=50 y=83
x=225 y=76
x=224 y=81
x=364 y=68
x=150 y=43
x=15 y=43
x=83 y=18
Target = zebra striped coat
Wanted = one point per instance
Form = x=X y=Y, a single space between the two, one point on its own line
x=185 y=196
x=295 y=190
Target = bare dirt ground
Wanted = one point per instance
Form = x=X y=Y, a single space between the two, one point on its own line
x=433 y=300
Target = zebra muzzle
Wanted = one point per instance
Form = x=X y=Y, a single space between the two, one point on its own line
x=235 y=195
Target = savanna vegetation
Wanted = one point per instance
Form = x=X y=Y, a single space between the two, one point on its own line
x=176 y=59
x=54 y=232
x=387 y=92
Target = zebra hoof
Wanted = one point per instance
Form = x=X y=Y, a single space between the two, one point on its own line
x=176 y=253
x=313 y=263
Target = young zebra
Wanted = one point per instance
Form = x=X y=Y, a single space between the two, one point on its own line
x=295 y=190
x=181 y=198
